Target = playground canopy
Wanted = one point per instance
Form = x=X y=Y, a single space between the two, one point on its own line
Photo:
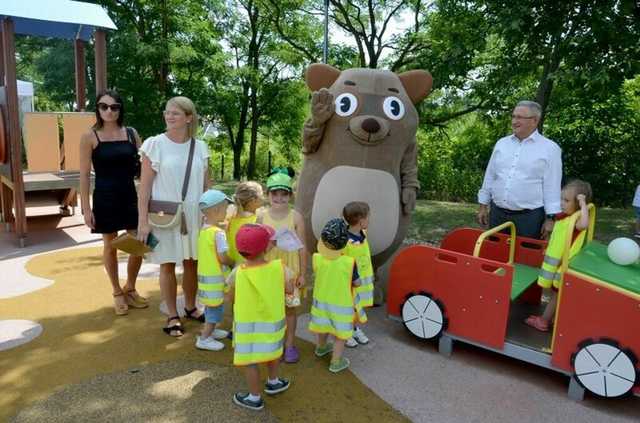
x=73 y=20
x=56 y=18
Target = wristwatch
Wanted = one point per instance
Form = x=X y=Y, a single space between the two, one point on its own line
x=551 y=216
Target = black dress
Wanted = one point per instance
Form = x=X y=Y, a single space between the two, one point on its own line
x=115 y=201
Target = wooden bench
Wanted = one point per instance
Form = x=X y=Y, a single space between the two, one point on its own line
x=53 y=165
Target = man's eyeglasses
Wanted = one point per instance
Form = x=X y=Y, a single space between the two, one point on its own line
x=115 y=107
x=519 y=117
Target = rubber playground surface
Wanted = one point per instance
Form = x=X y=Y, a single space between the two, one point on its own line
x=86 y=364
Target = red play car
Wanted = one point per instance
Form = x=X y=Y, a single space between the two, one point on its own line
x=479 y=287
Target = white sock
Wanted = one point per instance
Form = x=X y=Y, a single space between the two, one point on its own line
x=254 y=398
x=273 y=381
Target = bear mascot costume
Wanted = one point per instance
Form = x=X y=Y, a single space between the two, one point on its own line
x=359 y=144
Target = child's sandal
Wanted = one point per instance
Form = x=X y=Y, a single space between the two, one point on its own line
x=537 y=322
x=176 y=327
x=120 y=308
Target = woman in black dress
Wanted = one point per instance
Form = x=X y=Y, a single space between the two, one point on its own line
x=112 y=149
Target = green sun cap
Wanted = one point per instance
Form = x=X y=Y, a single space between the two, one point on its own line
x=279 y=181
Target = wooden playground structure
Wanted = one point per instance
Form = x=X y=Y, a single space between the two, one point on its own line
x=52 y=164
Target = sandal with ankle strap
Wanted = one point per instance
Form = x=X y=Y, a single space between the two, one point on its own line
x=176 y=327
x=134 y=299
x=189 y=315
x=119 y=308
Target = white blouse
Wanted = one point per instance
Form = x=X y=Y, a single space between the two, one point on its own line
x=169 y=161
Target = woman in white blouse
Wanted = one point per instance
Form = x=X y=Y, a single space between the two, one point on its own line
x=164 y=163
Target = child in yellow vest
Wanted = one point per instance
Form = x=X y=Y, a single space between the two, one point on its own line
x=575 y=195
x=281 y=217
x=259 y=319
x=356 y=214
x=212 y=259
x=248 y=198
x=334 y=309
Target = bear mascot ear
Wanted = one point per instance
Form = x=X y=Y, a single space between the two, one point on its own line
x=417 y=84
x=319 y=75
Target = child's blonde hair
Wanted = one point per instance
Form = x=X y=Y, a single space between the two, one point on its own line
x=245 y=193
x=580 y=187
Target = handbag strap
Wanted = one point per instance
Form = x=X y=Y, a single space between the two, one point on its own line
x=185 y=185
x=132 y=138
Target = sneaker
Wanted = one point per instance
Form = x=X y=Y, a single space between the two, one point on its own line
x=339 y=365
x=276 y=388
x=351 y=343
x=321 y=351
x=209 y=344
x=220 y=334
x=291 y=355
x=242 y=399
x=359 y=336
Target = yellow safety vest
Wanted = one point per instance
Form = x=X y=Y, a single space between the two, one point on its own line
x=232 y=229
x=362 y=254
x=333 y=310
x=210 y=276
x=549 y=272
x=258 y=319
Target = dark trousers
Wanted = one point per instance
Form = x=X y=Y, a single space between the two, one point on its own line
x=528 y=222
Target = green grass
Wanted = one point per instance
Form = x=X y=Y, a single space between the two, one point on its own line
x=432 y=220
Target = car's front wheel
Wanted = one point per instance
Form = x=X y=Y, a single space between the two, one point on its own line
x=423 y=316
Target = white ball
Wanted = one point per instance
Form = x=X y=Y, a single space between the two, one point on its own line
x=623 y=251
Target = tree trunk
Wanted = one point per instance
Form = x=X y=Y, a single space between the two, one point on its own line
x=254 y=62
x=163 y=76
x=237 y=153
x=545 y=84
x=251 y=168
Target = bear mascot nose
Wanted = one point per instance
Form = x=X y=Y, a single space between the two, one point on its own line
x=371 y=125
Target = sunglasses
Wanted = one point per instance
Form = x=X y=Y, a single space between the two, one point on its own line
x=115 y=107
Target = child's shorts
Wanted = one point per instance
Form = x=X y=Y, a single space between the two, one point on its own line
x=637 y=209
x=213 y=314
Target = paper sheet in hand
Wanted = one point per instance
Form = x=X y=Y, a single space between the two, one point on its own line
x=130 y=244
x=287 y=240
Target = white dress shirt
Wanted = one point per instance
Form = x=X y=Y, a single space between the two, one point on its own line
x=524 y=174
x=636 y=198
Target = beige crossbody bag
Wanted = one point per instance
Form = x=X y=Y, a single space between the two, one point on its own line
x=167 y=214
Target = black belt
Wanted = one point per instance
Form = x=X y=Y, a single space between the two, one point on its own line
x=507 y=211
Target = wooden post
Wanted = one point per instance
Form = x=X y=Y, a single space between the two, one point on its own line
x=6 y=200
x=81 y=98
x=2 y=83
x=13 y=127
x=6 y=197
x=100 y=38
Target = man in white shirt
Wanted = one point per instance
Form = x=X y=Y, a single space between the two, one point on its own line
x=523 y=178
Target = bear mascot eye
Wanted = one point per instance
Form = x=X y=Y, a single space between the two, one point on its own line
x=393 y=108
x=346 y=104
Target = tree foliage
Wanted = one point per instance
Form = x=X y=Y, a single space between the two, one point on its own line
x=242 y=62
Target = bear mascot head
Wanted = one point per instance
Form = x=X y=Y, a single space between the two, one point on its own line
x=359 y=144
